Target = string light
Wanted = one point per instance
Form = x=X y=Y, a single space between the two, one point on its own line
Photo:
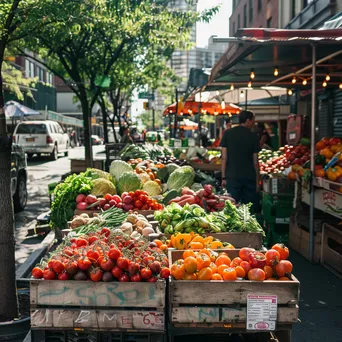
x=232 y=87
x=217 y=93
x=290 y=92
x=242 y=94
x=223 y=104
x=252 y=75
x=324 y=84
x=276 y=72
x=340 y=86
x=249 y=84
x=305 y=82
x=327 y=77
x=294 y=80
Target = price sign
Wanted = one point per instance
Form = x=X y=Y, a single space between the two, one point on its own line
x=261 y=312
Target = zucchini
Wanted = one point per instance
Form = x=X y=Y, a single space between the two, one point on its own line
x=170 y=195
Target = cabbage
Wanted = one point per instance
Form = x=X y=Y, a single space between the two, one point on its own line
x=164 y=173
x=118 y=167
x=144 y=177
x=129 y=181
x=152 y=188
x=96 y=173
x=196 y=187
x=180 y=178
x=102 y=186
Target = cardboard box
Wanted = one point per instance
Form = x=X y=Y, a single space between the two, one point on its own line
x=278 y=185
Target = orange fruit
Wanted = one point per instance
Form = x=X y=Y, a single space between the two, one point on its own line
x=229 y=274
x=240 y=272
x=216 y=276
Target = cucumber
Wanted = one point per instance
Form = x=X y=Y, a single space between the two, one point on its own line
x=170 y=195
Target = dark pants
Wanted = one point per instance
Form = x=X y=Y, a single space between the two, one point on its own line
x=244 y=191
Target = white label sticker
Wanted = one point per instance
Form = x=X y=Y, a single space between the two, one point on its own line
x=274 y=186
x=261 y=312
x=292 y=136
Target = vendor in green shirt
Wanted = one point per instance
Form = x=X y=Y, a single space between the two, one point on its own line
x=240 y=166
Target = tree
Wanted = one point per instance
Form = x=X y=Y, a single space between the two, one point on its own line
x=18 y=19
x=101 y=32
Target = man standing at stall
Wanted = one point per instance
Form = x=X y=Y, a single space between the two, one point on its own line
x=240 y=166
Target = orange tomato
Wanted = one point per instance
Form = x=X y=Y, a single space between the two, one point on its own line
x=229 y=274
x=279 y=270
x=320 y=173
x=188 y=253
x=202 y=261
x=221 y=268
x=256 y=274
x=223 y=260
x=284 y=278
x=292 y=175
x=213 y=255
x=320 y=145
x=163 y=247
x=246 y=266
x=240 y=272
x=190 y=276
x=205 y=274
x=205 y=251
x=245 y=252
x=216 y=276
x=158 y=242
x=195 y=245
x=236 y=262
x=282 y=250
x=213 y=267
x=198 y=238
x=177 y=270
x=190 y=264
x=288 y=265
x=268 y=272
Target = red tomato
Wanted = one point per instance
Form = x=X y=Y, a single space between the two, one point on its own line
x=155 y=267
x=165 y=273
x=124 y=278
x=58 y=266
x=117 y=272
x=72 y=268
x=108 y=197
x=272 y=257
x=63 y=276
x=96 y=274
x=143 y=198
x=117 y=198
x=84 y=264
x=146 y=273
x=282 y=250
x=279 y=270
x=136 y=278
x=256 y=274
x=138 y=204
x=152 y=280
x=37 y=273
x=105 y=232
x=80 y=242
x=114 y=254
x=107 y=264
x=122 y=262
x=92 y=239
x=48 y=274
x=245 y=252
x=257 y=260
x=133 y=268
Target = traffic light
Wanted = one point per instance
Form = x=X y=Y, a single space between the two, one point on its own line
x=146 y=105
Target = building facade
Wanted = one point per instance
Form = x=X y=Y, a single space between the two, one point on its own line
x=254 y=13
x=307 y=14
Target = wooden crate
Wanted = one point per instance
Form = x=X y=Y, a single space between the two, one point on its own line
x=112 y=306
x=331 y=249
x=79 y=165
x=215 y=304
x=299 y=241
x=240 y=239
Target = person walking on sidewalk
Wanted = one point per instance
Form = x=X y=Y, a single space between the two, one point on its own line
x=240 y=166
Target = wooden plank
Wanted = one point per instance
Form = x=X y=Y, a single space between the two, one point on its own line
x=97 y=319
x=88 y=293
x=233 y=292
x=240 y=239
x=226 y=315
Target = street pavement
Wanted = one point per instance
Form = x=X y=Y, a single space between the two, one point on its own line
x=320 y=307
x=41 y=173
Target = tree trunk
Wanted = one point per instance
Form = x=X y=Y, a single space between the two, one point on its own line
x=8 y=291
x=104 y=119
x=86 y=111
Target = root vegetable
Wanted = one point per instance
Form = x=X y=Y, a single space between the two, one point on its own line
x=78 y=221
x=147 y=231
x=132 y=218
x=127 y=228
x=84 y=215
x=82 y=205
x=80 y=198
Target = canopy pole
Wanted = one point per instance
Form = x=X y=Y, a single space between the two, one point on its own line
x=176 y=114
x=199 y=131
x=312 y=161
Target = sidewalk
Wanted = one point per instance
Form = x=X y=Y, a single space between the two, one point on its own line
x=320 y=307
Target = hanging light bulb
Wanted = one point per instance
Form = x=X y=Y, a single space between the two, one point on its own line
x=217 y=93
x=294 y=80
x=242 y=94
x=324 y=84
x=249 y=84
x=252 y=75
x=327 y=77
x=232 y=87
x=276 y=72
x=305 y=82
x=290 y=92
x=340 y=86
x=223 y=104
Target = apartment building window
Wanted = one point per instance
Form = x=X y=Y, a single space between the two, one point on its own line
x=251 y=10
x=245 y=16
x=239 y=23
x=40 y=74
x=269 y=22
x=259 y=5
x=29 y=69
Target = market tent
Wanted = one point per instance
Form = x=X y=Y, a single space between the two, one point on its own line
x=193 y=107
x=16 y=110
x=295 y=59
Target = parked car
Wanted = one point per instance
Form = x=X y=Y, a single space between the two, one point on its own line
x=38 y=137
x=96 y=140
x=18 y=177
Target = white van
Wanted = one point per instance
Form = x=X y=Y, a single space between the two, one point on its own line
x=38 y=137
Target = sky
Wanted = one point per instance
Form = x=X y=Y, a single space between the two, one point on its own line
x=219 y=25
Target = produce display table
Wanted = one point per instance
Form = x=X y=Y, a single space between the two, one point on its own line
x=206 y=167
x=214 y=305
x=113 y=306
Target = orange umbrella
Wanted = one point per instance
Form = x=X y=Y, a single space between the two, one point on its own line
x=211 y=108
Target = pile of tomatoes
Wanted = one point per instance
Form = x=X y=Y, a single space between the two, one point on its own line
x=105 y=256
x=250 y=264
x=140 y=201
